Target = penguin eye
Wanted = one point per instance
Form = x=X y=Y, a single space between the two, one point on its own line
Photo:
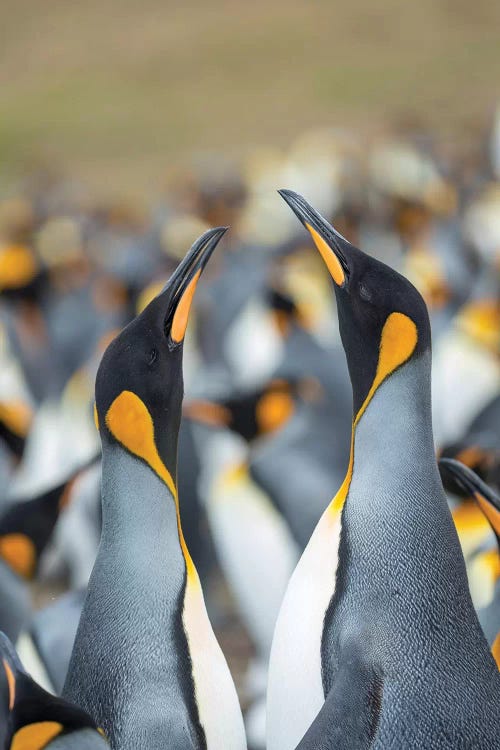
x=365 y=293
x=153 y=356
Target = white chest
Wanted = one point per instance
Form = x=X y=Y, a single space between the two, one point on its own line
x=256 y=551
x=295 y=691
x=216 y=698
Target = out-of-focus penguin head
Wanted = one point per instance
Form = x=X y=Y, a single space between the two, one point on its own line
x=473 y=486
x=383 y=319
x=29 y=716
x=251 y=413
x=139 y=386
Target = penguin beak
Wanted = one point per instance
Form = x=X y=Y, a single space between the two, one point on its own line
x=488 y=501
x=332 y=246
x=182 y=284
x=11 y=682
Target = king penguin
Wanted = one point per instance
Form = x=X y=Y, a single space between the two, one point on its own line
x=32 y=719
x=377 y=637
x=146 y=664
x=25 y=530
x=489 y=503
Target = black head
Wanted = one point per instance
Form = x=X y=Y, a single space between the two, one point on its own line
x=30 y=716
x=472 y=486
x=285 y=312
x=383 y=319
x=139 y=385
x=26 y=526
x=480 y=455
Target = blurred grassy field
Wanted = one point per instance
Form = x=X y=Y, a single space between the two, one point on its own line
x=118 y=89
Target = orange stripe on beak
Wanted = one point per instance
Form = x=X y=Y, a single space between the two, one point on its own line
x=11 y=681
x=328 y=255
x=181 y=315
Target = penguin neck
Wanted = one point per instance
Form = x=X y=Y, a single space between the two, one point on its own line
x=402 y=405
x=139 y=511
x=396 y=423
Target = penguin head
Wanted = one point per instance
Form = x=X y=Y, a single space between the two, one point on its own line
x=30 y=716
x=383 y=319
x=252 y=413
x=473 y=486
x=26 y=526
x=139 y=386
x=479 y=455
x=284 y=310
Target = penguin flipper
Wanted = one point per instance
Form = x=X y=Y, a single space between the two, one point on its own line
x=350 y=714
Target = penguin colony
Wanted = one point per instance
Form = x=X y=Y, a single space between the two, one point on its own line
x=290 y=477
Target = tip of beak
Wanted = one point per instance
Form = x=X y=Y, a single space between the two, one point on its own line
x=294 y=200
x=218 y=231
x=304 y=211
x=330 y=243
x=210 y=238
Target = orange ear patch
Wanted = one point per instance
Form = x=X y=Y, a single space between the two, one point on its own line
x=130 y=422
x=181 y=315
x=481 y=321
x=36 y=736
x=17 y=416
x=19 y=553
x=397 y=344
x=328 y=255
x=273 y=410
x=17 y=267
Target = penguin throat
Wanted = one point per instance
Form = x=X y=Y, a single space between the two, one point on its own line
x=398 y=342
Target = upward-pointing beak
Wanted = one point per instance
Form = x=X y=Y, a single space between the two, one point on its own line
x=487 y=499
x=182 y=284
x=334 y=248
